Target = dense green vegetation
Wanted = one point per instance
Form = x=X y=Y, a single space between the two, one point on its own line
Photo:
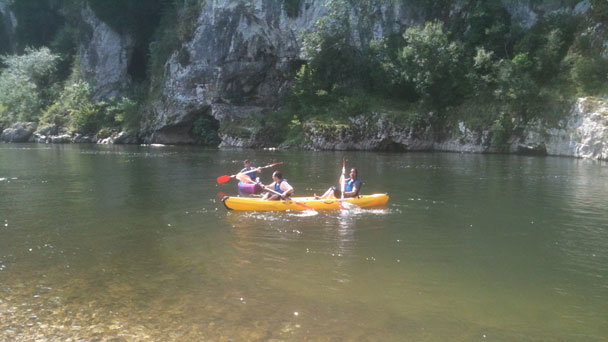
x=479 y=68
x=474 y=65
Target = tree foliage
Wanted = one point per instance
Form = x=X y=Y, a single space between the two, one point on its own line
x=25 y=84
x=434 y=65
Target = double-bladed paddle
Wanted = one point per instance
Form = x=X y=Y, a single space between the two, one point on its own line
x=223 y=179
x=294 y=201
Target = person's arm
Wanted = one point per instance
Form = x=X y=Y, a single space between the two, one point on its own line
x=243 y=177
x=287 y=189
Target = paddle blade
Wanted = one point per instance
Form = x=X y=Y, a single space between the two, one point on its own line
x=305 y=206
x=223 y=179
x=344 y=205
x=221 y=195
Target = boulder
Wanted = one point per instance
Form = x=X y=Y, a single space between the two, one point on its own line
x=119 y=138
x=124 y=138
x=84 y=139
x=61 y=139
x=19 y=132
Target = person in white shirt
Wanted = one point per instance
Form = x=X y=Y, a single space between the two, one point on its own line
x=281 y=188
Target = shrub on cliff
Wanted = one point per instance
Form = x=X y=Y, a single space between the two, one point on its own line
x=590 y=75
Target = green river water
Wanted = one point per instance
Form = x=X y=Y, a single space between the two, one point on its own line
x=130 y=243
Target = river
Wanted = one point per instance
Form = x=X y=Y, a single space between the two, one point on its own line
x=131 y=243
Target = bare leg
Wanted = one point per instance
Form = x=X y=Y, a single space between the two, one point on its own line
x=270 y=197
x=328 y=194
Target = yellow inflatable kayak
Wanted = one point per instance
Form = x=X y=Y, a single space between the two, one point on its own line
x=301 y=203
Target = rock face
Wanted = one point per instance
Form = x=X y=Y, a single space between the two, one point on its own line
x=583 y=135
x=380 y=132
x=19 y=132
x=104 y=56
x=243 y=56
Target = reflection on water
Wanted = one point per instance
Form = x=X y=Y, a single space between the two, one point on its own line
x=131 y=243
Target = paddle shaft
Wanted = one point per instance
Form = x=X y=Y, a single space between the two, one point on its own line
x=294 y=201
x=225 y=178
x=342 y=181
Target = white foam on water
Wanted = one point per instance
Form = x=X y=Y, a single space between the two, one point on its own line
x=304 y=213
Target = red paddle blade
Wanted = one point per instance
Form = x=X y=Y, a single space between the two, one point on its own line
x=221 y=195
x=223 y=179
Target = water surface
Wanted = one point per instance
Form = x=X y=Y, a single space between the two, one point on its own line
x=130 y=243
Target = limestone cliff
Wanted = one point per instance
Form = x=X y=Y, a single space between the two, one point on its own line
x=584 y=134
x=104 y=56
x=242 y=58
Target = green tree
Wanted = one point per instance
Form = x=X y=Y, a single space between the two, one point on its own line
x=516 y=88
x=25 y=83
x=434 y=65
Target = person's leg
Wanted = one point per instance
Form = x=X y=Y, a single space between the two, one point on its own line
x=328 y=193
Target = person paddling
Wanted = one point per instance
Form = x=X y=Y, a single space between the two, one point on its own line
x=247 y=174
x=352 y=187
x=279 y=186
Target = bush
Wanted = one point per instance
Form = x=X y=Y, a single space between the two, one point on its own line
x=590 y=75
x=501 y=131
x=126 y=112
x=25 y=84
x=89 y=118
x=74 y=98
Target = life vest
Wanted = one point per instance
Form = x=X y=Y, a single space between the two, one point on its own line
x=250 y=174
x=277 y=186
x=350 y=183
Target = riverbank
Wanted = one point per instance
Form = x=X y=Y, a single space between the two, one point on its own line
x=582 y=134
